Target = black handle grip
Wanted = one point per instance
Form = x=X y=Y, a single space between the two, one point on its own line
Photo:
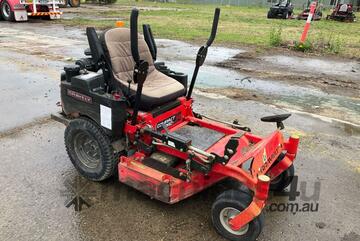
x=134 y=35
x=149 y=39
x=214 y=27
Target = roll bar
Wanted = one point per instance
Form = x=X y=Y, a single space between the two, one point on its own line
x=149 y=39
x=214 y=27
x=100 y=60
x=134 y=35
x=202 y=52
x=97 y=52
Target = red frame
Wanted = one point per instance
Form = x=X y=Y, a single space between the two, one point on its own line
x=166 y=188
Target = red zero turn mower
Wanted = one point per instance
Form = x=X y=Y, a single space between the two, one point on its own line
x=342 y=12
x=126 y=114
x=305 y=13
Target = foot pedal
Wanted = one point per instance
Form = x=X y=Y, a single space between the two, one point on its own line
x=164 y=165
x=166 y=159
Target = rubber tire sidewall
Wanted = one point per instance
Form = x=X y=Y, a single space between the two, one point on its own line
x=285 y=179
x=240 y=201
x=11 y=18
x=109 y=160
x=285 y=15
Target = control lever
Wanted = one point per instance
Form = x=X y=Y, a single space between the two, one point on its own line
x=201 y=55
x=140 y=73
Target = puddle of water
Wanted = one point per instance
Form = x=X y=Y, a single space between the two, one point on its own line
x=178 y=50
x=29 y=91
x=49 y=40
x=63 y=43
x=283 y=94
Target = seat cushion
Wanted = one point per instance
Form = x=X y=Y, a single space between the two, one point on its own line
x=158 y=88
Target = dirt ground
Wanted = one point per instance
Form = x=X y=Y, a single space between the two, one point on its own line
x=37 y=179
x=330 y=74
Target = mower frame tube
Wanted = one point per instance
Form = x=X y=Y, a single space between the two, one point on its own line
x=259 y=185
x=291 y=146
x=255 y=207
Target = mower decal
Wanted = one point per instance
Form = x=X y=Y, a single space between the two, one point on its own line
x=168 y=122
x=105 y=117
x=139 y=165
x=171 y=143
x=264 y=158
x=79 y=96
x=268 y=162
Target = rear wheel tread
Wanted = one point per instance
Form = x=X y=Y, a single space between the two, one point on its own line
x=108 y=156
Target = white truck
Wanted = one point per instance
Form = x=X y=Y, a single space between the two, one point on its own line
x=20 y=10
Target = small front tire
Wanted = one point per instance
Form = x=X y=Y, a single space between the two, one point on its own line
x=283 y=180
x=229 y=204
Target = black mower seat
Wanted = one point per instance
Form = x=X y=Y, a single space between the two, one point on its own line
x=158 y=88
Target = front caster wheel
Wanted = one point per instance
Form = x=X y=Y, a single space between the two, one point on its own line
x=226 y=206
x=283 y=180
x=90 y=150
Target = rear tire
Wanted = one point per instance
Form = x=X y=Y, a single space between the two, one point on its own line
x=6 y=12
x=90 y=150
x=229 y=204
x=270 y=15
x=285 y=15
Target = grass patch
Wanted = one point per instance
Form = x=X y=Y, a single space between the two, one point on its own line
x=238 y=26
x=275 y=37
x=307 y=46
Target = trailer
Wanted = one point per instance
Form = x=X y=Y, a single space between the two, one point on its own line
x=20 y=10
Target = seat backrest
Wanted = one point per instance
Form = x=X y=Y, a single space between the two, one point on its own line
x=343 y=8
x=117 y=41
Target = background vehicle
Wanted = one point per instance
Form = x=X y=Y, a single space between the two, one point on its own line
x=20 y=10
x=342 y=12
x=305 y=13
x=283 y=9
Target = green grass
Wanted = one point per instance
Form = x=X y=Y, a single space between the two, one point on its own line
x=238 y=26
